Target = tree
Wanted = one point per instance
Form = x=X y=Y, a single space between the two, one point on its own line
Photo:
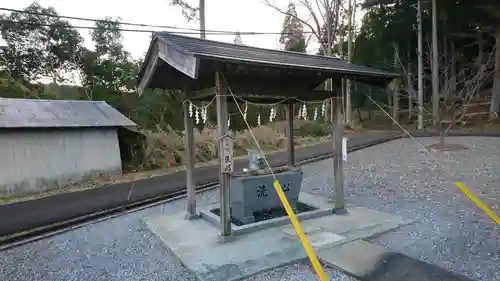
x=237 y=39
x=322 y=13
x=158 y=109
x=39 y=44
x=489 y=20
x=292 y=33
x=468 y=31
x=338 y=46
x=189 y=11
x=109 y=66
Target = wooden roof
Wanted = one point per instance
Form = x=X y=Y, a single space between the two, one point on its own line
x=173 y=61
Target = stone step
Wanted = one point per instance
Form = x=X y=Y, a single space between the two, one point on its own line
x=370 y=262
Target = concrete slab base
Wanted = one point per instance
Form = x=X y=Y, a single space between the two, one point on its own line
x=370 y=262
x=195 y=242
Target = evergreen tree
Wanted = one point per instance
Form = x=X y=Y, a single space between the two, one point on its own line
x=44 y=46
x=292 y=35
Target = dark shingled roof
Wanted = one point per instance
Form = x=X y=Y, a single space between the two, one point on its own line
x=188 y=51
x=34 y=113
x=214 y=49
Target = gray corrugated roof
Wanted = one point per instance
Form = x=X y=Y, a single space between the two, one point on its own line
x=29 y=113
x=214 y=49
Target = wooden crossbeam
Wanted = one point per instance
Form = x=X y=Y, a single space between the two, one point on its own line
x=265 y=96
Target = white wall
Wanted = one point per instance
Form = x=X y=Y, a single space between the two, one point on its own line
x=35 y=161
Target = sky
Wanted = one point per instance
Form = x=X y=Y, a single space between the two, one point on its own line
x=230 y=15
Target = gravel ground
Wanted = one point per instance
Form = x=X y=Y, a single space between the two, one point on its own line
x=396 y=177
x=120 y=249
x=401 y=178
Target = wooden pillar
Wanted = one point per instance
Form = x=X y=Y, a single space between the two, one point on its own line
x=395 y=87
x=421 y=68
x=395 y=105
x=289 y=135
x=435 y=65
x=338 y=161
x=224 y=178
x=190 y=159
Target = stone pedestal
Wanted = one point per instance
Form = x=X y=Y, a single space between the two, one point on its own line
x=254 y=193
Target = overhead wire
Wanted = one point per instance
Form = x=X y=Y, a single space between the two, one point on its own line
x=25 y=23
x=179 y=30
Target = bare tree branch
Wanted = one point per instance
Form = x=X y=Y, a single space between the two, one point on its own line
x=335 y=23
x=317 y=33
x=326 y=17
x=307 y=4
x=322 y=14
x=188 y=11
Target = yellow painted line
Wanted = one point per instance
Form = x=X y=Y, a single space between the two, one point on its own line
x=302 y=236
x=478 y=202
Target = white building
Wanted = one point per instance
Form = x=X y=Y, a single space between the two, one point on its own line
x=45 y=144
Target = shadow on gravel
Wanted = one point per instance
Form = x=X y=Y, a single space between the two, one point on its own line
x=398 y=267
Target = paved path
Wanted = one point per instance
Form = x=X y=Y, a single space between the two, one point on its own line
x=21 y=216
